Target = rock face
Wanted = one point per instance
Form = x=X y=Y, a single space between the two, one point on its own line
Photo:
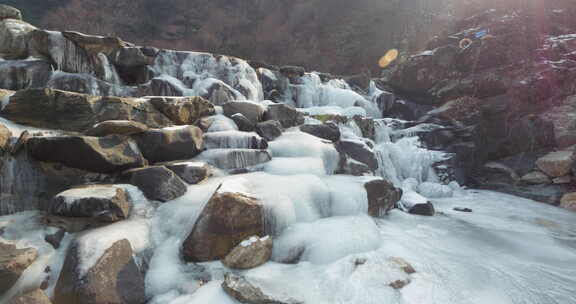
x=14 y=37
x=157 y=182
x=95 y=154
x=183 y=110
x=328 y=131
x=227 y=219
x=250 y=253
x=556 y=164
x=269 y=130
x=169 y=144
x=116 y=127
x=34 y=297
x=382 y=197
x=48 y=108
x=252 y=111
x=114 y=279
x=245 y=291
x=108 y=203
x=13 y=262
x=191 y=172
x=287 y=116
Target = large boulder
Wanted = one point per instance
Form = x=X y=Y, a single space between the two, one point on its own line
x=108 y=203
x=5 y=136
x=96 y=154
x=287 y=115
x=14 y=37
x=33 y=297
x=183 y=110
x=328 y=131
x=9 y=12
x=269 y=130
x=568 y=201
x=382 y=196
x=191 y=172
x=250 y=253
x=243 y=123
x=169 y=144
x=247 y=291
x=357 y=151
x=157 y=182
x=114 y=278
x=13 y=262
x=55 y=109
x=426 y=209
x=227 y=219
x=252 y=111
x=116 y=127
x=556 y=164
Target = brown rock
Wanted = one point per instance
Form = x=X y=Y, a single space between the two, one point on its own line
x=5 y=136
x=169 y=144
x=9 y=12
x=13 y=262
x=157 y=182
x=14 y=37
x=382 y=196
x=247 y=291
x=227 y=219
x=107 y=203
x=95 y=44
x=191 y=172
x=34 y=297
x=183 y=110
x=250 y=253
x=116 y=127
x=254 y=112
x=556 y=164
x=568 y=201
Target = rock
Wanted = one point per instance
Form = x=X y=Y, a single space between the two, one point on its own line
x=564 y=119
x=566 y=179
x=287 y=115
x=250 y=253
x=358 y=151
x=69 y=224
x=535 y=178
x=399 y=284
x=13 y=262
x=5 y=136
x=183 y=110
x=34 y=297
x=568 y=201
x=108 y=203
x=227 y=219
x=95 y=44
x=269 y=130
x=245 y=291
x=157 y=183
x=328 y=131
x=423 y=209
x=556 y=164
x=220 y=94
x=366 y=125
x=55 y=238
x=292 y=71
x=169 y=144
x=48 y=108
x=191 y=172
x=25 y=73
x=116 y=127
x=243 y=123
x=14 y=37
x=459 y=209
x=95 y=154
x=382 y=197
x=114 y=279
x=9 y=12
x=252 y=111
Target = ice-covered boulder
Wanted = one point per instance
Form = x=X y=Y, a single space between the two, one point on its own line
x=5 y=136
x=227 y=219
x=556 y=164
x=96 y=154
x=287 y=115
x=414 y=203
x=229 y=159
x=116 y=127
x=270 y=129
x=183 y=110
x=248 y=291
x=157 y=182
x=234 y=140
x=169 y=144
x=382 y=196
x=108 y=203
x=328 y=131
x=357 y=151
x=9 y=12
x=96 y=272
x=250 y=253
x=13 y=262
x=33 y=297
x=191 y=172
x=252 y=111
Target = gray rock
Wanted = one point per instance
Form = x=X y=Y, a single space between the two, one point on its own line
x=423 y=209
x=220 y=94
x=169 y=144
x=191 y=172
x=382 y=197
x=359 y=152
x=157 y=183
x=14 y=37
x=287 y=115
x=116 y=127
x=13 y=262
x=107 y=203
x=250 y=253
x=246 y=291
x=535 y=178
x=24 y=74
x=9 y=12
x=269 y=130
x=183 y=110
x=243 y=123
x=252 y=111
x=328 y=131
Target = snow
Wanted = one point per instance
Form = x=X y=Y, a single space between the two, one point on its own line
x=96 y=191
x=221 y=123
x=231 y=139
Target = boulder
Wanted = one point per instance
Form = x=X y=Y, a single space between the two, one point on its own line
x=116 y=127
x=252 y=111
x=48 y=108
x=227 y=219
x=568 y=201
x=33 y=297
x=95 y=44
x=556 y=164
x=366 y=125
x=157 y=183
x=566 y=179
x=250 y=253
x=9 y=12
x=535 y=178
x=287 y=115
x=113 y=279
x=96 y=154
x=269 y=130
x=245 y=291
x=423 y=209
x=328 y=131
x=358 y=151
x=220 y=94
x=5 y=136
x=169 y=144
x=13 y=262
x=183 y=110
x=191 y=172
x=243 y=123
x=55 y=239
x=382 y=196
x=14 y=37
x=107 y=203
x=25 y=73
